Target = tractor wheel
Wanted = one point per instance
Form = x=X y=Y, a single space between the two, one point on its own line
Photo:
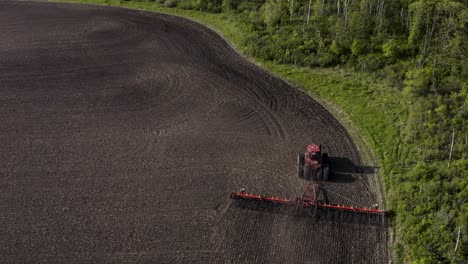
x=300 y=170
x=318 y=174
x=306 y=174
x=300 y=159
x=300 y=165
x=325 y=159
x=326 y=173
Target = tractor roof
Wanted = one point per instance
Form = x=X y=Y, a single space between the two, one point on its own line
x=314 y=148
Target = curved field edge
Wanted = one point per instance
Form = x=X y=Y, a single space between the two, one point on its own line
x=370 y=110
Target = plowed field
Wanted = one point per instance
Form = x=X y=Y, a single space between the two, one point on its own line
x=122 y=133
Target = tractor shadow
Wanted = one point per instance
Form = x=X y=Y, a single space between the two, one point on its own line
x=343 y=170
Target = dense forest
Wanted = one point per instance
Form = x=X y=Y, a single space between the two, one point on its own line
x=419 y=47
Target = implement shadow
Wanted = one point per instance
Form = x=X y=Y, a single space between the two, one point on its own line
x=315 y=214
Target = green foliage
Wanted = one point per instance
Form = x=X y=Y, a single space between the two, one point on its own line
x=357 y=48
x=188 y=4
x=213 y=6
x=170 y=3
x=393 y=49
x=273 y=11
x=418 y=82
x=370 y=62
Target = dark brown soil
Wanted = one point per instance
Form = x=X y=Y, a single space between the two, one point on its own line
x=122 y=133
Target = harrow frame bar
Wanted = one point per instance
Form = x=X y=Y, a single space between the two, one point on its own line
x=306 y=201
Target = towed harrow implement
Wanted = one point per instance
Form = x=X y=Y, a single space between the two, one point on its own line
x=308 y=204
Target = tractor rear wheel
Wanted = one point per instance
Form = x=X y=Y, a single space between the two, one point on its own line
x=326 y=173
x=300 y=159
x=306 y=174
x=318 y=174
x=300 y=171
x=325 y=158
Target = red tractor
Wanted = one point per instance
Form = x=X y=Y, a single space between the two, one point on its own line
x=313 y=165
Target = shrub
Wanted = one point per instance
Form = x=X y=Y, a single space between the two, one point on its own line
x=371 y=62
x=170 y=3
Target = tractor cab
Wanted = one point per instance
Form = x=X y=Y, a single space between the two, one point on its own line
x=314 y=153
x=313 y=164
